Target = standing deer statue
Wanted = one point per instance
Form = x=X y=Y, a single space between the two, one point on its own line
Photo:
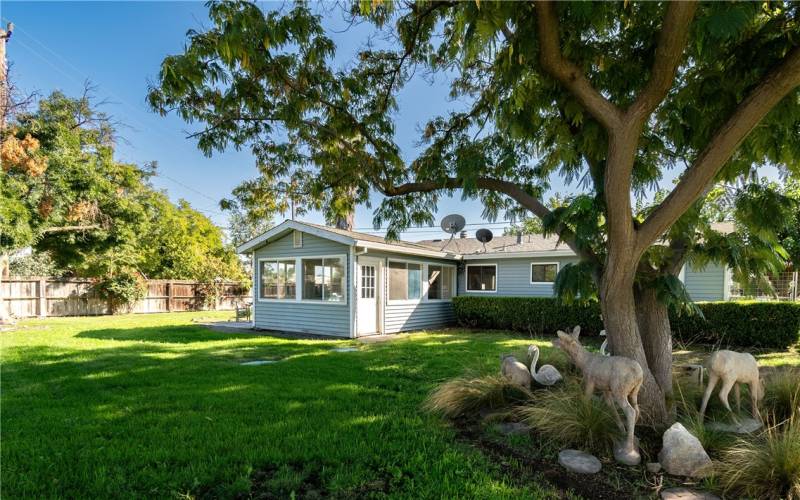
x=617 y=377
x=733 y=368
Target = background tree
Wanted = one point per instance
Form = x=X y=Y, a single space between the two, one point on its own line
x=611 y=94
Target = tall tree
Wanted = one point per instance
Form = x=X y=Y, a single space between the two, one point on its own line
x=615 y=94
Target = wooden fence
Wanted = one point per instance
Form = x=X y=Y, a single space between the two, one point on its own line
x=40 y=296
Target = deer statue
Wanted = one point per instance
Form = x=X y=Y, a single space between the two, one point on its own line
x=515 y=371
x=733 y=368
x=547 y=374
x=617 y=377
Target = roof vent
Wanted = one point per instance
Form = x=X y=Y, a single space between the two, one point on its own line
x=463 y=235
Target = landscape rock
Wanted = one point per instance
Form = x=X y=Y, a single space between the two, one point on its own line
x=682 y=454
x=745 y=426
x=686 y=494
x=513 y=428
x=579 y=461
x=653 y=467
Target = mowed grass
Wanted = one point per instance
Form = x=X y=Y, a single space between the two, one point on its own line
x=156 y=406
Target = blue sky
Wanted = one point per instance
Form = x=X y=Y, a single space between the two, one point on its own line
x=118 y=46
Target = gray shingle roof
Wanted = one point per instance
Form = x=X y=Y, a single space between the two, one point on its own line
x=527 y=243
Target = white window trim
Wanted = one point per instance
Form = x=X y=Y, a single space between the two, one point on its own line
x=558 y=268
x=257 y=283
x=423 y=287
x=298 y=266
x=453 y=283
x=297 y=239
x=496 y=278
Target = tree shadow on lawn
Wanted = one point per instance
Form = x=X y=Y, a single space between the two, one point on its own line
x=155 y=419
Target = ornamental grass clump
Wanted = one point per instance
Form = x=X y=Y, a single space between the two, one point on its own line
x=569 y=419
x=765 y=466
x=782 y=397
x=464 y=396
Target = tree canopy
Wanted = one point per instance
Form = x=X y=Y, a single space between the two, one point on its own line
x=616 y=98
x=64 y=194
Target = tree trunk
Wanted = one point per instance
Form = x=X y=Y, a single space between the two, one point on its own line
x=618 y=304
x=654 y=327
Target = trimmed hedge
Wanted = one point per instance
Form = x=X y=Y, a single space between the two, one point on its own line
x=742 y=324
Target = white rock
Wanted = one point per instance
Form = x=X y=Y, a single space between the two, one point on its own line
x=682 y=454
x=745 y=426
x=579 y=461
x=653 y=467
x=686 y=494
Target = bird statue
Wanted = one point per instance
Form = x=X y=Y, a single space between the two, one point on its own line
x=547 y=374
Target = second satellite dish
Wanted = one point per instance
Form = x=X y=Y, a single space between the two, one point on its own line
x=453 y=223
x=484 y=236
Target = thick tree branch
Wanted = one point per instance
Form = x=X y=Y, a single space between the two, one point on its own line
x=568 y=73
x=669 y=54
x=776 y=85
x=510 y=189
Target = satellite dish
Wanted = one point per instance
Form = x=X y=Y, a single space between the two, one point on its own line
x=484 y=236
x=453 y=223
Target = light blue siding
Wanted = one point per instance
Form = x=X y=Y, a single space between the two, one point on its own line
x=705 y=284
x=401 y=317
x=514 y=277
x=304 y=317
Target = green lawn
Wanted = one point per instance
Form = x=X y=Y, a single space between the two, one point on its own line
x=154 y=406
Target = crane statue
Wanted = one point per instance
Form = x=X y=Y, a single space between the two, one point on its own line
x=547 y=374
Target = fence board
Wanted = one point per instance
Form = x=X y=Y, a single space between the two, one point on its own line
x=41 y=296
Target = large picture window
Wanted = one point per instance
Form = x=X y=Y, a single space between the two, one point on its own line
x=278 y=279
x=440 y=282
x=405 y=281
x=481 y=278
x=544 y=272
x=324 y=279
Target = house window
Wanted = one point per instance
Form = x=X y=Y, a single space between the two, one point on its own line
x=405 y=281
x=297 y=239
x=544 y=273
x=278 y=279
x=482 y=278
x=367 y=282
x=323 y=279
x=440 y=282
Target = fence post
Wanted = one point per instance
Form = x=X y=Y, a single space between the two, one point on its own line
x=170 y=295
x=41 y=295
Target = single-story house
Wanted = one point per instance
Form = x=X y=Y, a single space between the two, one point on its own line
x=316 y=279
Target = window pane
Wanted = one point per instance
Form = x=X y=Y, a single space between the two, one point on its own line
x=447 y=283
x=414 y=281
x=481 y=278
x=313 y=279
x=269 y=280
x=333 y=289
x=434 y=282
x=398 y=281
x=545 y=273
x=287 y=281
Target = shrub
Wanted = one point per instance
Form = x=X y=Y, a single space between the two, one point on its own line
x=745 y=324
x=534 y=315
x=121 y=290
x=463 y=396
x=569 y=419
x=767 y=466
x=782 y=395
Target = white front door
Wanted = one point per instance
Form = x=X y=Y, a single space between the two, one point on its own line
x=368 y=296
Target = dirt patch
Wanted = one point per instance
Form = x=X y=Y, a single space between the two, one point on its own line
x=530 y=468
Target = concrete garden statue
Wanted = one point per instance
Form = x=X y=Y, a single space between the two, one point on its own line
x=618 y=378
x=547 y=374
x=733 y=368
x=515 y=371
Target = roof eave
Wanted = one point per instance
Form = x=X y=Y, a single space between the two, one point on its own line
x=511 y=255
x=388 y=247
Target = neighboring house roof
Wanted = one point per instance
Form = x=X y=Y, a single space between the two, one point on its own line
x=363 y=240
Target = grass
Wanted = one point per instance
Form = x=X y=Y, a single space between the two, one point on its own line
x=155 y=406
x=465 y=396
